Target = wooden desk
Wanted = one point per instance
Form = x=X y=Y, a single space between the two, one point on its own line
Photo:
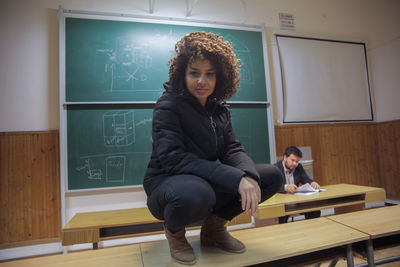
x=378 y=222
x=264 y=244
x=122 y=256
x=92 y=227
x=341 y=197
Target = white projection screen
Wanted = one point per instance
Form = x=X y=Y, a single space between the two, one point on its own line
x=324 y=80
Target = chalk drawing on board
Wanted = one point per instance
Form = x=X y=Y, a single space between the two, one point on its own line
x=114 y=165
x=127 y=65
x=119 y=128
x=93 y=174
x=115 y=169
x=119 y=131
x=246 y=63
x=168 y=40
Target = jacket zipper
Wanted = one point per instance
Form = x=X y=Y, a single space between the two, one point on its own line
x=214 y=126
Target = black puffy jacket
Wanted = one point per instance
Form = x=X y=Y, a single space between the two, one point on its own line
x=189 y=139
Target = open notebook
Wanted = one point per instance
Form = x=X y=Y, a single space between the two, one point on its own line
x=307 y=189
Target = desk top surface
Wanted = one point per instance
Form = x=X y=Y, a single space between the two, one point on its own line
x=332 y=191
x=120 y=256
x=88 y=220
x=263 y=244
x=376 y=222
x=110 y=218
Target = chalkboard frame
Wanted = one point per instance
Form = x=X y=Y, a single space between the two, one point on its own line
x=63 y=14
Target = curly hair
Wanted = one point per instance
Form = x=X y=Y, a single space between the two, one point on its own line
x=202 y=45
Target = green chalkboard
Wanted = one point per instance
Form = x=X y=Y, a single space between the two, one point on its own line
x=109 y=61
x=127 y=61
x=110 y=145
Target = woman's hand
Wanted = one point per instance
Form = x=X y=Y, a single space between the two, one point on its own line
x=250 y=194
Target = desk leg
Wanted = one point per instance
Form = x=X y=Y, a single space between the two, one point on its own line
x=350 y=259
x=95 y=245
x=370 y=253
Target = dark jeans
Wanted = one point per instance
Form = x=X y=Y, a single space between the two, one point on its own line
x=182 y=200
x=307 y=215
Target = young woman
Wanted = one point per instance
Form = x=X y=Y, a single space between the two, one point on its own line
x=184 y=181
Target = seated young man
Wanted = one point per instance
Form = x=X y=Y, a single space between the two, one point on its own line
x=295 y=175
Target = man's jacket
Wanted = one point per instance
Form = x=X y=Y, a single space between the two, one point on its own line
x=299 y=175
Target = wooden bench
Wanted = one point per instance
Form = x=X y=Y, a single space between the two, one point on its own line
x=341 y=197
x=264 y=244
x=93 y=227
x=377 y=223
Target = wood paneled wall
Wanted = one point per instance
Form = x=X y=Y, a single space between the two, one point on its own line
x=355 y=153
x=388 y=135
x=29 y=188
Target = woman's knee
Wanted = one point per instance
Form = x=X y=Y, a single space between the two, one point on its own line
x=199 y=199
x=270 y=175
x=182 y=195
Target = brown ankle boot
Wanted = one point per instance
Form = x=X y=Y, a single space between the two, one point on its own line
x=213 y=233
x=179 y=247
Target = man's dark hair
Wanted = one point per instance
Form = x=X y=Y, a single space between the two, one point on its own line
x=293 y=150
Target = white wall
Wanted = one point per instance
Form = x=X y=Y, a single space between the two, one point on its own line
x=386 y=78
x=29 y=67
x=29 y=97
